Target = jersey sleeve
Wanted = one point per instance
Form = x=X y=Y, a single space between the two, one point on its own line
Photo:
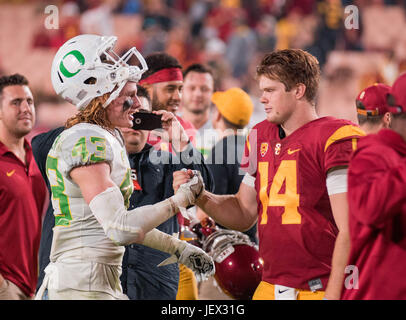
x=340 y=145
x=85 y=147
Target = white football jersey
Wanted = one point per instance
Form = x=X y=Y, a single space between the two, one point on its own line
x=77 y=233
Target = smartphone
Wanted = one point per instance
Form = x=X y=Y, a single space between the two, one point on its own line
x=144 y=120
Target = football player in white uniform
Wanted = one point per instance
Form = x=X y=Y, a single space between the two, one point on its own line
x=90 y=178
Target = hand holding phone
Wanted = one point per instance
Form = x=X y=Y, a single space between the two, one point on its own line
x=145 y=120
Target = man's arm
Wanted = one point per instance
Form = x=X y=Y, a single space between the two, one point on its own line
x=124 y=227
x=92 y=180
x=339 y=206
x=191 y=158
x=187 y=156
x=220 y=184
x=107 y=204
x=237 y=212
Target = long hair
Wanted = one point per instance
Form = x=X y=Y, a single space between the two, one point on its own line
x=93 y=113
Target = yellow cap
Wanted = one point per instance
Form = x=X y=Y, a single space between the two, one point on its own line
x=235 y=105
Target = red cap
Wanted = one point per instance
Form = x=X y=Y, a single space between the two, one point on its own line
x=372 y=100
x=397 y=96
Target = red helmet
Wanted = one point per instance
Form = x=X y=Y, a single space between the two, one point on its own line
x=237 y=261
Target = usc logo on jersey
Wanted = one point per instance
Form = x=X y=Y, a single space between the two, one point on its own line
x=264 y=149
x=278 y=148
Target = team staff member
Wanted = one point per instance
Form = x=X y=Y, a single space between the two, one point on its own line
x=164 y=83
x=22 y=192
x=377 y=206
x=142 y=279
x=372 y=108
x=295 y=184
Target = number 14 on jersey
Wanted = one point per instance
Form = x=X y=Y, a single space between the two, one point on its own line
x=290 y=199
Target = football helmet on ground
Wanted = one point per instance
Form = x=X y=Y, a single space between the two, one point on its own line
x=238 y=265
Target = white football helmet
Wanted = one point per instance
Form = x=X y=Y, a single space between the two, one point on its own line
x=86 y=67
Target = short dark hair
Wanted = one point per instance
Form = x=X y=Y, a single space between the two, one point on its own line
x=142 y=92
x=291 y=67
x=158 y=61
x=231 y=125
x=199 y=68
x=374 y=120
x=12 y=80
x=399 y=115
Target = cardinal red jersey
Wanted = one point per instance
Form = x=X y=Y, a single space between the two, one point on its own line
x=377 y=217
x=296 y=227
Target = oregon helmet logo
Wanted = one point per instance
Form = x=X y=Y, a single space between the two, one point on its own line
x=75 y=58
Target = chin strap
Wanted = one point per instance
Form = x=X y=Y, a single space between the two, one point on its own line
x=114 y=94
x=121 y=77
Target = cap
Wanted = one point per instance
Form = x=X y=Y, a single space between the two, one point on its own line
x=234 y=104
x=372 y=100
x=397 y=96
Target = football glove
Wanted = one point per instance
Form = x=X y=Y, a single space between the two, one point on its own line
x=195 y=259
x=188 y=192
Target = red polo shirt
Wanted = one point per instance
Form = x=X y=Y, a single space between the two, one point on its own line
x=22 y=199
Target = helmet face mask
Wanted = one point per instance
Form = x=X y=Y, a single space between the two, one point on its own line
x=86 y=67
x=238 y=265
x=236 y=258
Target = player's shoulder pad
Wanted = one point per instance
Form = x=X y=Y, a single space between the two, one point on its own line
x=84 y=144
x=339 y=129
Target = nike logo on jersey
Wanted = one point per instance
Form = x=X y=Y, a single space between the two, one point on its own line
x=282 y=291
x=9 y=174
x=293 y=151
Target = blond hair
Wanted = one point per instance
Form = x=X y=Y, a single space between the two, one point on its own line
x=93 y=113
